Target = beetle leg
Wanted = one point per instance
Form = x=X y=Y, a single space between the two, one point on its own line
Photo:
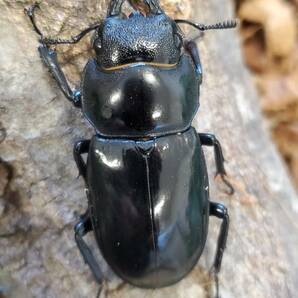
x=30 y=11
x=49 y=58
x=191 y=47
x=220 y=211
x=80 y=148
x=83 y=227
x=210 y=140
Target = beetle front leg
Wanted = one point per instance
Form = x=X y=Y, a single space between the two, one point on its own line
x=83 y=227
x=49 y=58
x=30 y=11
x=220 y=211
x=191 y=47
x=210 y=140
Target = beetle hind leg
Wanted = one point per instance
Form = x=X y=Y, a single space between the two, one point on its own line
x=83 y=227
x=221 y=212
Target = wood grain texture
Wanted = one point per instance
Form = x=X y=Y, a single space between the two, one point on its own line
x=41 y=197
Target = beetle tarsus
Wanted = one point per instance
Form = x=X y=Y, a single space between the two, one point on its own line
x=99 y=291
x=224 y=179
x=221 y=212
x=30 y=11
x=216 y=282
x=83 y=227
x=210 y=140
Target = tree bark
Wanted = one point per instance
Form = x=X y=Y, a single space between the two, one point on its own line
x=41 y=197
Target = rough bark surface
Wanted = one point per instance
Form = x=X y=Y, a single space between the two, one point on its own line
x=41 y=196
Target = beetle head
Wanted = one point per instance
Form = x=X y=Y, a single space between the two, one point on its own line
x=147 y=35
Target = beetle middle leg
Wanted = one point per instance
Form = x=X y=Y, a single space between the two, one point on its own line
x=210 y=140
x=221 y=212
x=84 y=226
x=80 y=148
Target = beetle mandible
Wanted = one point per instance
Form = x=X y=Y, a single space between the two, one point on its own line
x=145 y=175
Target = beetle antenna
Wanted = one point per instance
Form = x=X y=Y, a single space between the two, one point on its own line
x=202 y=27
x=72 y=39
x=30 y=11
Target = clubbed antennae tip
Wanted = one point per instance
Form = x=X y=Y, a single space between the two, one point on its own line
x=222 y=25
x=202 y=27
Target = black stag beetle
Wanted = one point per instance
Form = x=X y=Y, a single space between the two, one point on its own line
x=146 y=178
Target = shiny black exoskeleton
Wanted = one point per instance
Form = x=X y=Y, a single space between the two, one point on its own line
x=146 y=178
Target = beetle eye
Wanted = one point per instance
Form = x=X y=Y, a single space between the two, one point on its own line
x=97 y=44
x=178 y=41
